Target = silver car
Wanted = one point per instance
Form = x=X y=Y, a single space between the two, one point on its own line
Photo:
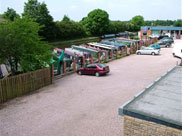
x=148 y=51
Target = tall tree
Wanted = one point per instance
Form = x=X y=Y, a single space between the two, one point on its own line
x=40 y=14
x=22 y=47
x=178 y=23
x=66 y=18
x=137 y=21
x=97 y=22
x=10 y=14
x=68 y=29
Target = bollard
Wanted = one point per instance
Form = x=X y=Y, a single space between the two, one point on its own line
x=64 y=67
x=74 y=64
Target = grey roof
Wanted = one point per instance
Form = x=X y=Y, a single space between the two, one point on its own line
x=161 y=101
x=145 y=28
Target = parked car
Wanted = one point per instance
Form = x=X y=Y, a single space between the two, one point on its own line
x=154 y=36
x=155 y=46
x=171 y=38
x=164 y=44
x=94 y=69
x=167 y=40
x=162 y=36
x=148 y=51
x=177 y=51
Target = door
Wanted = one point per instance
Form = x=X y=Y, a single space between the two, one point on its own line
x=90 y=69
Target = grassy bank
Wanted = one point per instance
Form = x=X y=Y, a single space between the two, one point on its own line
x=67 y=43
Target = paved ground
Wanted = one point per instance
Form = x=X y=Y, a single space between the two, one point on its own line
x=83 y=105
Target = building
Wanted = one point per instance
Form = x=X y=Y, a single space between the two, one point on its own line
x=156 y=111
x=147 y=31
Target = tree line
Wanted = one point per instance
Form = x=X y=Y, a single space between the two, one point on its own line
x=96 y=23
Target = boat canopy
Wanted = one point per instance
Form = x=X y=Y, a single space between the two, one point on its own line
x=93 y=48
x=110 y=42
x=66 y=52
x=99 y=46
x=83 y=49
x=76 y=52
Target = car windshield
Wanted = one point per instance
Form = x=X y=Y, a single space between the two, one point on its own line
x=101 y=65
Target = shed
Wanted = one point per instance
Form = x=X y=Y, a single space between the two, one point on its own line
x=158 y=109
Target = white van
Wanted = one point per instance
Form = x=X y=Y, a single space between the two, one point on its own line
x=177 y=50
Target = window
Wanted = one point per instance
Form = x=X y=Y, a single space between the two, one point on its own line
x=91 y=66
x=101 y=65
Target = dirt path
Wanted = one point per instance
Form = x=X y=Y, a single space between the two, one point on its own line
x=83 y=105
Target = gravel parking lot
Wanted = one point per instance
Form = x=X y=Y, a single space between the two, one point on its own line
x=84 y=105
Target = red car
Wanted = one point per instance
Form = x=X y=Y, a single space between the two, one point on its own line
x=94 y=69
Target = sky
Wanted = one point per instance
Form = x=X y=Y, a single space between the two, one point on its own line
x=122 y=10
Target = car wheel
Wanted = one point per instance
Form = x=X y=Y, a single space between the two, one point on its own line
x=153 y=53
x=139 y=53
x=97 y=74
x=167 y=45
x=79 y=72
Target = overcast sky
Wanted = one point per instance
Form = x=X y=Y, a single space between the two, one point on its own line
x=117 y=9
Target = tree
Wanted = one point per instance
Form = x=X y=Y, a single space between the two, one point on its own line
x=137 y=21
x=40 y=14
x=22 y=47
x=66 y=18
x=96 y=23
x=68 y=29
x=178 y=23
x=10 y=14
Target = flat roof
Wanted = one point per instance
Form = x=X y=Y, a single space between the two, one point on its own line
x=160 y=102
x=145 y=28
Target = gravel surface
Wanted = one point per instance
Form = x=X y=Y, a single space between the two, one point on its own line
x=84 y=105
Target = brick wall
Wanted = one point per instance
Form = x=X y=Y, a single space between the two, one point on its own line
x=138 y=127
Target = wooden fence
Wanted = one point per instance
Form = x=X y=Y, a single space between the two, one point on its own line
x=19 y=85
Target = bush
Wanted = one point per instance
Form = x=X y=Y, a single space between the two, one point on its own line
x=118 y=57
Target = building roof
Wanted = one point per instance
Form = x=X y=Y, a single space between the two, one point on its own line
x=160 y=102
x=145 y=28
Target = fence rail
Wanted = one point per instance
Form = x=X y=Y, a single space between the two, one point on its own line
x=19 y=85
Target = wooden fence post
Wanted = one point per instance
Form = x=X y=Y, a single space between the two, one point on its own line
x=98 y=57
x=116 y=52
x=126 y=51
x=83 y=61
x=111 y=54
x=52 y=72
x=137 y=46
x=131 y=48
x=121 y=52
x=106 y=56
x=64 y=67
x=74 y=64
x=91 y=59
